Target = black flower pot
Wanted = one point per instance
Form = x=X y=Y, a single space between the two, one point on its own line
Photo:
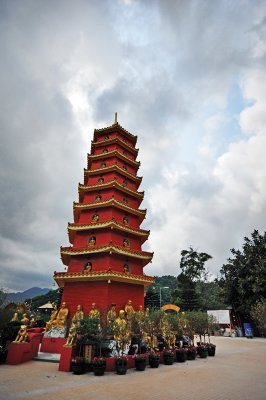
x=140 y=364
x=211 y=350
x=121 y=369
x=99 y=370
x=154 y=363
x=181 y=355
x=202 y=352
x=191 y=354
x=168 y=359
x=77 y=369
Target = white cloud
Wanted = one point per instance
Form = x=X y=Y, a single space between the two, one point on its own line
x=168 y=69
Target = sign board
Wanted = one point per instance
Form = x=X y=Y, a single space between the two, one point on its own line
x=222 y=316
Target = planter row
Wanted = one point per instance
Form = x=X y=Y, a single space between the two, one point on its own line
x=153 y=360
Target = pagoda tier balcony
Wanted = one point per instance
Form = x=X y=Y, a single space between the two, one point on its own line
x=73 y=228
x=78 y=207
x=115 y=140
x=111 y=184
x=113 y=153
x=63 y=277
x=114 y=129
x=113 y=168
x=67 y=252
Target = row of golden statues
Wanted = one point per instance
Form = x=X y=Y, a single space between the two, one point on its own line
x=120 y=322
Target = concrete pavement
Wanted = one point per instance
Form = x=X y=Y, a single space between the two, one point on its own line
x=237 y=372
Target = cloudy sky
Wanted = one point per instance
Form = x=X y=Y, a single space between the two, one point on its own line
x=187 y=77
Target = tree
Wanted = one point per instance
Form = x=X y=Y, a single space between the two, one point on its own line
x=244 y=276
x=192 y=265
x=258 y=313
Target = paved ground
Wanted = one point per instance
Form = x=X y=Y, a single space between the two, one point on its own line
x=238 y=371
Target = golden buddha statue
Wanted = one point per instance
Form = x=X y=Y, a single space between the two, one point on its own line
x=15 y=317
x=111 y=315
x=52 y=317
x=22 y=335
x=126 y=243
x=129 y=310
x=95 y=218
x=88 y=267
x=25 y=320
x=61 y=317
x=71 y=339
x=92 y=241
x=121 y=330
x=94 y=312
x=78 y=316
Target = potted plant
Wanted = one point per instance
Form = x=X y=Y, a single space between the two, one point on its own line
x=211 y=348
x=168 y=357
x=181 y=355
x=140 y=362
x=77 y=366
x=202 y=350
x=99 y=366
x=191 y=353
x=121 y=365
x=154 y=360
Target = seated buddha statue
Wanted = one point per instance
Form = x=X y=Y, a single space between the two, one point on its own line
x=61 y=317
x=52 y=317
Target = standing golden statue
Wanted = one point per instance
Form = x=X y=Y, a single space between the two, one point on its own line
x=94 y=312
x=111 y=315
x=78 y=316
x=129 y=310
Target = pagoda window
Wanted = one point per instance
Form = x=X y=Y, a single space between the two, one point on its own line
x=92 y=241
x=103 y=165
x=125 y=200
x=95 y=217
x=101 y=180
x=126 y=220
x=87 y=266
x=126 y=268
x=98 y=197
x=125 y=153
x=105 y=150
x=125 y=182
x=126 y=242
x=124 y=167
x=106 y=137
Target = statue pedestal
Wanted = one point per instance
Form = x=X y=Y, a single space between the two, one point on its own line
x=67 y=353
x=52 y=345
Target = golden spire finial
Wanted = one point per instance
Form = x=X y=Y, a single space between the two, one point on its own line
x=115 y=118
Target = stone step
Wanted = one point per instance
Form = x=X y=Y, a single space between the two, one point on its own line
x=47 y=357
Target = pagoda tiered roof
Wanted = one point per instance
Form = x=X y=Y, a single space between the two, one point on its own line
x=108 y=203
x=115 y=128
x=115 y=140
x=110 y=248
x=111 y=168
x=62 y=277
x=111 y=184
x=113 y=153
x=72 y=228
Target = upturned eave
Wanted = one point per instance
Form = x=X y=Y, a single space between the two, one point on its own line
x=109 y=276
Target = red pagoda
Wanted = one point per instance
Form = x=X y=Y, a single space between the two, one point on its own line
x=105 y=262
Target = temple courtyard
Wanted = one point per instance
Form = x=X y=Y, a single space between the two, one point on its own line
x=237 y=372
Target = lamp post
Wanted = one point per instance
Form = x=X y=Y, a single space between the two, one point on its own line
x=164 y=287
